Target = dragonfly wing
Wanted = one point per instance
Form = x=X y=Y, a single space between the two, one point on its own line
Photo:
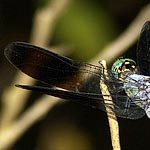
x=84 y=88
x=58 y=70
x=143 y=50
x=126 y=108
x=88 y=99
x=50 y=67
x=121 y=106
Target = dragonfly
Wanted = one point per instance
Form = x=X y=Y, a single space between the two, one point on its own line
x=128 y=83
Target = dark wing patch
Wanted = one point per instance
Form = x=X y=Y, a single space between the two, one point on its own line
x=143 y=50
x=50 y=67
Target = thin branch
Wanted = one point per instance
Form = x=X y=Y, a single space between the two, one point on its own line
x=45 y=21
x=10 y=135
x=125 y=40
x=113 y=124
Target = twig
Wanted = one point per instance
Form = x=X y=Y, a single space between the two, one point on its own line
x=113 y=124
x=125 y=40
x=10 y=135
x=45 y=21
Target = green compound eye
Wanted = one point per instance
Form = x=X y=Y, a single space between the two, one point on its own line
x=121 y=65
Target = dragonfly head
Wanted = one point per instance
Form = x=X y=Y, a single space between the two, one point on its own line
x=123 y=67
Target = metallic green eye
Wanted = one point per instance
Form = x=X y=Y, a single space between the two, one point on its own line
x=121 y=65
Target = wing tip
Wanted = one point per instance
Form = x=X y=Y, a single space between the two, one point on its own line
x=146 y=26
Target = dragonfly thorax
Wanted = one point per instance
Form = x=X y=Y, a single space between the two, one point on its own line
x=137 y=87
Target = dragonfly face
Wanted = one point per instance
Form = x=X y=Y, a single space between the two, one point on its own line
x=57 y=71
x=123 y=67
